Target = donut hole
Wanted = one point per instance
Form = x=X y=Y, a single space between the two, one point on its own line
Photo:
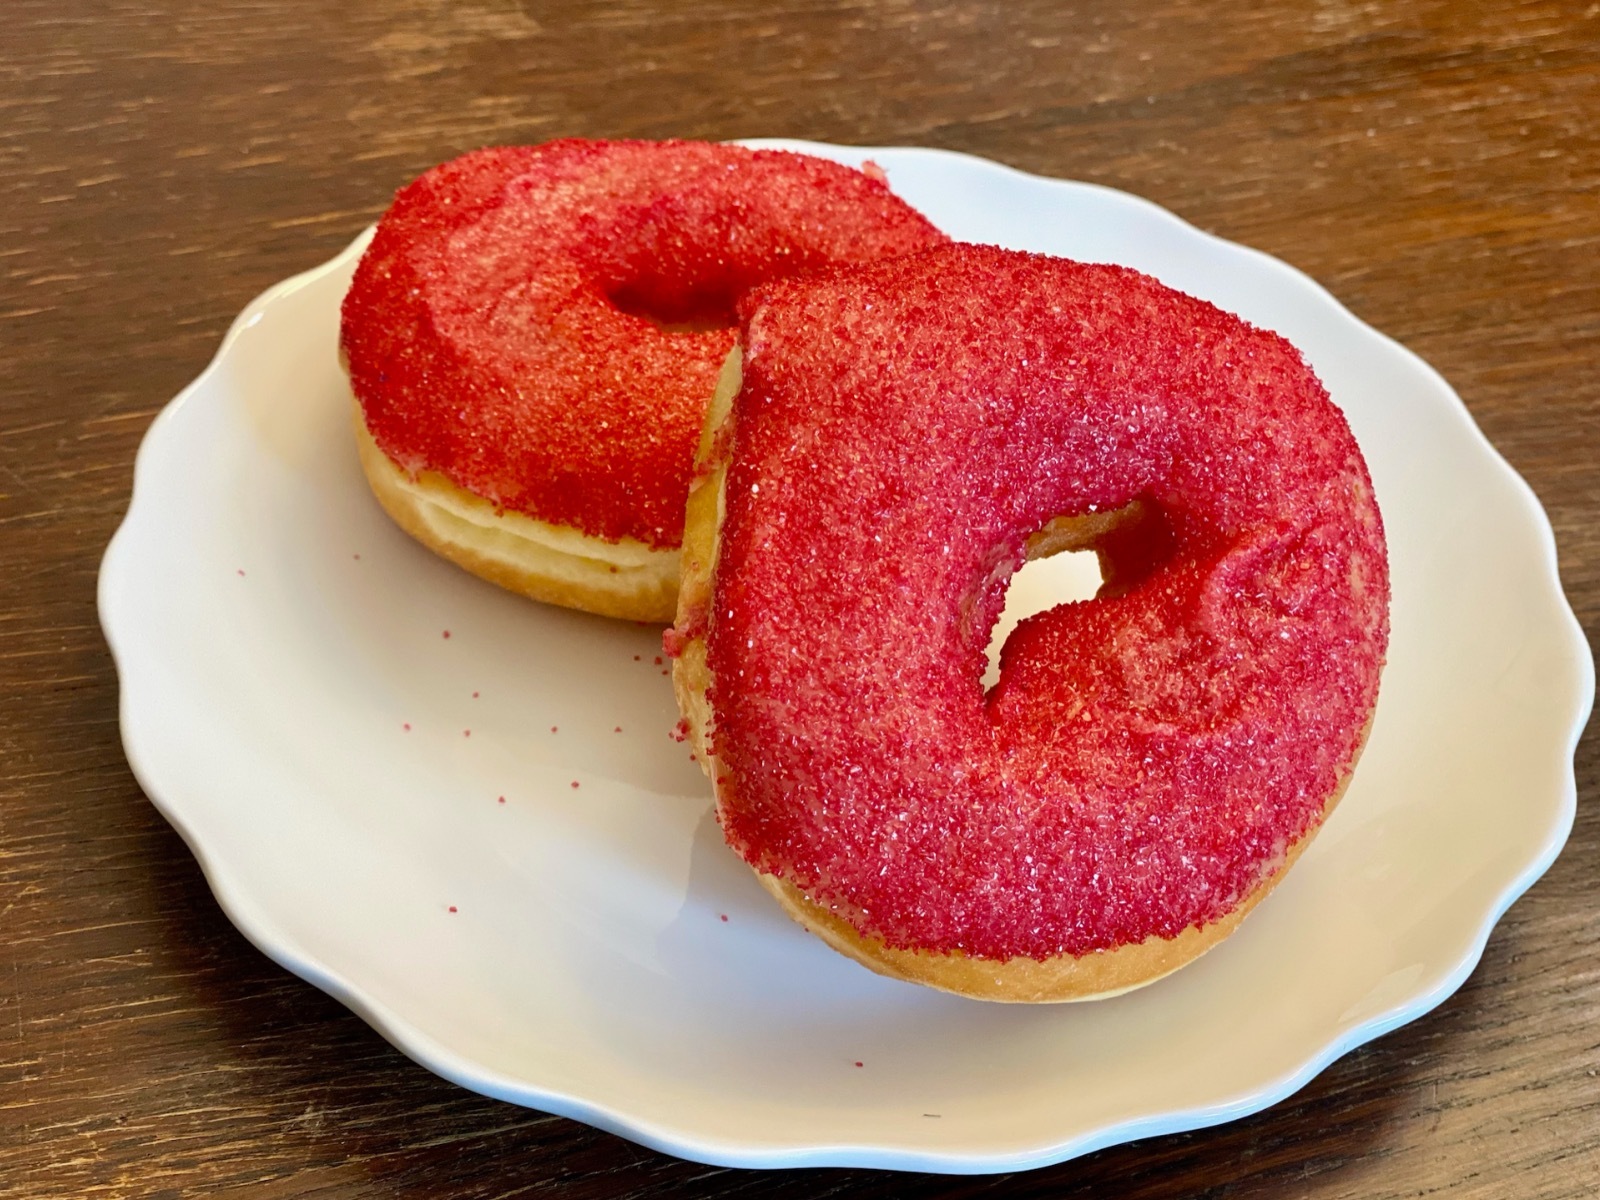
x=1084 y=556
x=678 y=306
x=1041 y=583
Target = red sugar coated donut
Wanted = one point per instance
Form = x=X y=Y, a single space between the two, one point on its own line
x=1149 y=759
x=507 y=328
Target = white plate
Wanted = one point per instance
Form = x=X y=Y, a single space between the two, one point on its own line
x=593 y=950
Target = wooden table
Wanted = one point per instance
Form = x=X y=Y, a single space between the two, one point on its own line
x=1436 y=165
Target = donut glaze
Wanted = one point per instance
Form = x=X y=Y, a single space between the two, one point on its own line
x=1148 y=760
x=542 y=326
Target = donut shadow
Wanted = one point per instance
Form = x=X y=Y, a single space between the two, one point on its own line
x=741 y=994
x=302 y=1060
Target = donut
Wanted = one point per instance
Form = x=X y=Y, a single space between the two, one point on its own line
x=534 y=332
x=894 y=441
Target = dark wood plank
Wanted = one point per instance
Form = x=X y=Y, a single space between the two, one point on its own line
x=1436 y=165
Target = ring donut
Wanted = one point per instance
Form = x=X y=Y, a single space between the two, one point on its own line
x=902 y=438
x=534 y=333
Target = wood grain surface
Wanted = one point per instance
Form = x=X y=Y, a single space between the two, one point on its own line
x=1436 y=165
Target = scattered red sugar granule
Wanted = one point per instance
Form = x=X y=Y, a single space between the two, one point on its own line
x=680 y=731
x=453 y=909
x=574 y=783
x=552 y=729
x=658 y=660
x=618 y=729
x=672 y=642
x=859 y=1063
x=241 y=576
x=500 y=799
x=474 y=695
x=636 y=657
x=447 y=635
x=724 y=917
x=406 y=726
x=357 y=557
x=466 y=733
